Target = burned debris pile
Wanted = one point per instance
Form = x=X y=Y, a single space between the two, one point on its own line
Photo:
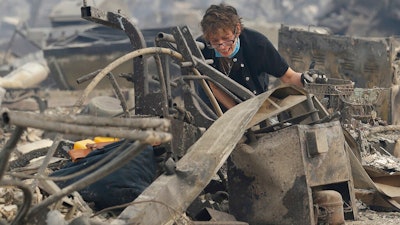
x=280 y=157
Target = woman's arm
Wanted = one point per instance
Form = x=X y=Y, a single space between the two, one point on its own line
x=292 y=77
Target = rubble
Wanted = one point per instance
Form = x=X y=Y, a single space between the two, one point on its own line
x=191 y=182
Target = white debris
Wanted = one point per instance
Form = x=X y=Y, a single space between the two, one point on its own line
x=55 y=217
x=29 y=75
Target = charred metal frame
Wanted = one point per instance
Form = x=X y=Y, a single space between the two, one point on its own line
x=79 y=125
x=160 y=103
x=136 y=38
x=149 y=103
x=198 y=166
x=208 y=151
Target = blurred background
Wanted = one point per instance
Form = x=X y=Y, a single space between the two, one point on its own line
x=350 y=17
x=54 y=30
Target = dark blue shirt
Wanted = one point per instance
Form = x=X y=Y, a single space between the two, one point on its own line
x=256 y=59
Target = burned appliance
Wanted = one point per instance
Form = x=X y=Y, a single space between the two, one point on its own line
x=274 y=180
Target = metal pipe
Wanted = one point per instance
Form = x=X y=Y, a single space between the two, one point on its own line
x=67 y=128
x=134 y=123
x=170 y=38
x=163 y=86
x=221 y=78
x=189 y=64
x=87 y=77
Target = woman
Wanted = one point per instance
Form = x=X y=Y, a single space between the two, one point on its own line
x=245 y=55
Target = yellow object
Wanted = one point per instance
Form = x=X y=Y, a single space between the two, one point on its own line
x=81 y=148
x=105 y=139
x=82 y=144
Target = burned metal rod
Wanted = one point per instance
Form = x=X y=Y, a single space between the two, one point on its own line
x=118 y=91
x=313 y=110
x=41 y=122
x=134 y=123
x=209 y=94
x=8 y=148
x=204 y=106
x=163 y=85
x=205 y=77
x=87 y=77
x=221 y=78
x=48 y=157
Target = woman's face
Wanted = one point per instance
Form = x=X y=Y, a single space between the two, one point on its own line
x=223 y=41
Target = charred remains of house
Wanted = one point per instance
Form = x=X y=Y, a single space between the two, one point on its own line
x=287 y=156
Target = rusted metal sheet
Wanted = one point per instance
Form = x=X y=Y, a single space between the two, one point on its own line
x=174 y=193
x=271 y=180
x=364 y=61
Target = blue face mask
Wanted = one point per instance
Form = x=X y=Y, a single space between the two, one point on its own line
x=237 y=47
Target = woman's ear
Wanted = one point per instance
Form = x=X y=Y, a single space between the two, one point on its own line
x=238 y=29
